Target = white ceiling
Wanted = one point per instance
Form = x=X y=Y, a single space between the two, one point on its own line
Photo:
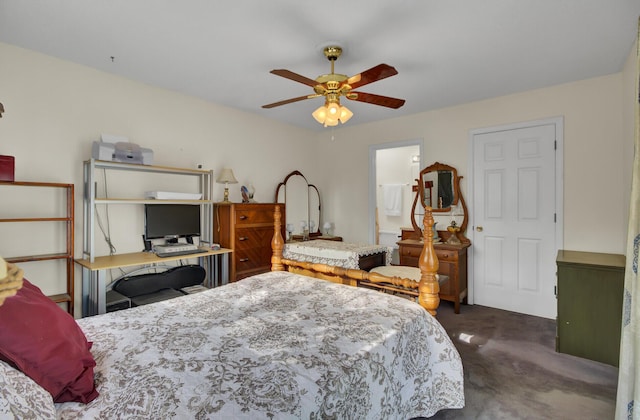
x=447 y=52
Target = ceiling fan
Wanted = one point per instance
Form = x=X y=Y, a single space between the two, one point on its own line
x=332 y=86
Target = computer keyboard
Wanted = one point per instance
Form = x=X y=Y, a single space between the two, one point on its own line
x=175 y=250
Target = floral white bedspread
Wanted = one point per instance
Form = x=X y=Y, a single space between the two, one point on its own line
x=277 y=345
x=337 y=253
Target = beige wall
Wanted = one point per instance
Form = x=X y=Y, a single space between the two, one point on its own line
x=55 y=109
x=596 y=154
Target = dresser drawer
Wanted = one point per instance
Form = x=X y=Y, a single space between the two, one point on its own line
x=411 y=252
x=252 y=259
x=446 y=255
x=253 y=238
x=252 y=217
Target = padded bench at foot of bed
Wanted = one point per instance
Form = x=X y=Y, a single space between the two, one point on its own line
x=405 y=272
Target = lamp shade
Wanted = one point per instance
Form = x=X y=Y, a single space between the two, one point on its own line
x=330 y=122
x=320 y=114
x=226 y=177
x=345 y=114
x=333 y=109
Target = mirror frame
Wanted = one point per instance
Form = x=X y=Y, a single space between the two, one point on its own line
x=310 y=190
x=455 y=184
x=458 y=199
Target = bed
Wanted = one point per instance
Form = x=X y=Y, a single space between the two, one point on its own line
x=425 y=289
x=276 y=345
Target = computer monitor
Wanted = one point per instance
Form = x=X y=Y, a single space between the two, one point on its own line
x=171 y=221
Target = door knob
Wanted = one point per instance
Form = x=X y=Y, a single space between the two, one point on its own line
x=479 y=228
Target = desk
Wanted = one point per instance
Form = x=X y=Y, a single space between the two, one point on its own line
x=94 y=273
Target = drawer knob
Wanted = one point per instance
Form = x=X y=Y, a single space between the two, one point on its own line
x=242 y=238
x=244 y=259
x=243 y=217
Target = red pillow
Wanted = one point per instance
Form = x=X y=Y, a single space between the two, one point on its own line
x=46 y=344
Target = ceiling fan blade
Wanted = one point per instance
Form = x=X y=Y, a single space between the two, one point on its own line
x=288 y=101
x=379 y=72
x=370 y=98
x=287 y=74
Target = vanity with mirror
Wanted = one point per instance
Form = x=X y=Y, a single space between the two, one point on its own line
x=302 y=208
x=438 y=187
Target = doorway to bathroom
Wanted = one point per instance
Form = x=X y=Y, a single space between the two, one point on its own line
x=393 y=169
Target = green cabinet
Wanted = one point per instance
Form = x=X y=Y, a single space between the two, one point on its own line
x=590 y=292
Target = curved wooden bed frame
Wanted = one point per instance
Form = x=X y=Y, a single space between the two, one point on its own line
x=426 y=289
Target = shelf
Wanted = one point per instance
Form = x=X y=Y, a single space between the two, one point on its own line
x=147 y=168
x=148 y=201
x=37 y=219
x=142 y=258
x=91 y=200
x=43 y=257
x=60 y=298
x=68 y=219
x=35 y=184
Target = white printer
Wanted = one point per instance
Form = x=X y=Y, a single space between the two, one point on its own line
x=120 y=149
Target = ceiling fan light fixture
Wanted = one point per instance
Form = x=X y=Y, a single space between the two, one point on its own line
x=345 y=114
x=320 y=114
x=331 y=113
x=333 y=109
x=330 y=122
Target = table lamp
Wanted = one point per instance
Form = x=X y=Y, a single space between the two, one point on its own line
x=226 y=177
x=327 y=228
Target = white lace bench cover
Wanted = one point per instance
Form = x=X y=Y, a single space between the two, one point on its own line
x=340 y=254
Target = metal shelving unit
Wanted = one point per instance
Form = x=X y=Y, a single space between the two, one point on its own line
x=205 y=182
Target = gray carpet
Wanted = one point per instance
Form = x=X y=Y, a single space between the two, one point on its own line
x=512 y=370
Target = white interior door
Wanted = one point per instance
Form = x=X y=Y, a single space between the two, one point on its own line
x=515 y=218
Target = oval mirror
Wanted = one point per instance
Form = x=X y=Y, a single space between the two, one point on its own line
x=314 y=210
x=302 y=204
x=439 y=188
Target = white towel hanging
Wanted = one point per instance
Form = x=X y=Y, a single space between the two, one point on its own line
x=392 y=196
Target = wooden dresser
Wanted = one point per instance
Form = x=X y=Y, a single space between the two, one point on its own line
x=247 y=228
x=452 y=262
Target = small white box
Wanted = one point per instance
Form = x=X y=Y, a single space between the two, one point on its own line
x=168 y=195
